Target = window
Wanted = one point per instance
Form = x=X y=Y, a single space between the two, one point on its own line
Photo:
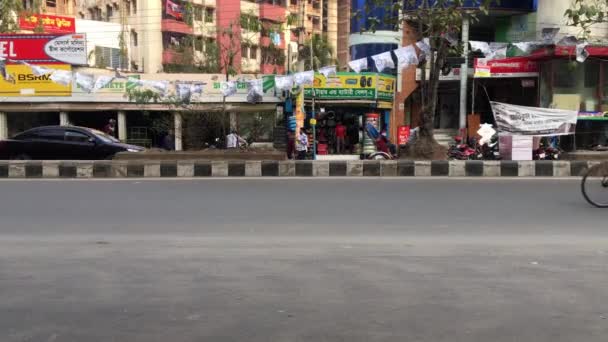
x=28 y=4
x=209 y=15
x=106 y=57
x=109 y=12
x=253 y=52
x=76 y=136
x=51 y=3
x=134 y=38
x=244 y=51
x=128 y=7
x=49 y=134
x=198 y=44
x=95 y=13
x=592 y=73
x=134 y=6
x=198 y=13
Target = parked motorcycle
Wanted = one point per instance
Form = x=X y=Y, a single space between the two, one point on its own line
x=489 y=151
x=461 y=151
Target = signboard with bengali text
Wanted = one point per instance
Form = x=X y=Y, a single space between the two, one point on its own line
x=48 y=23
x=44 y=48
x=353 y=86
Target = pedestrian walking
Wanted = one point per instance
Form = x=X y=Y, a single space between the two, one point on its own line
x=302 y=144
x=110 y=128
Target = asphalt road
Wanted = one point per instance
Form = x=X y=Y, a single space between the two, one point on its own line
x=302 y=260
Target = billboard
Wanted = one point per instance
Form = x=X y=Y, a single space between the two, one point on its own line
x=25 y=83
x=48 y=23
x=355 y=86
x=44 y=48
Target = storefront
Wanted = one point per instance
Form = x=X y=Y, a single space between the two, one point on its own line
x=195 y=125
x=350 y=100
x=568 y=84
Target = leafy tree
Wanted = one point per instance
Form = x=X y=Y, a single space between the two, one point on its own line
x=11 y=9
x=586 y=13
x=8 y=15
x=436 y=20
x=323 y=52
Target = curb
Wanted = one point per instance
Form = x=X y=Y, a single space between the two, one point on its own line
x=205 y=168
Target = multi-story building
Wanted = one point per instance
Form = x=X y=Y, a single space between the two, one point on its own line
x=54 y=7
x=162 y=35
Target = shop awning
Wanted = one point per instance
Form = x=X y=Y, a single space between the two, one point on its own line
x=562 y=51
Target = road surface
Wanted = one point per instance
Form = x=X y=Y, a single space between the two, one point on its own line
x=302 y=260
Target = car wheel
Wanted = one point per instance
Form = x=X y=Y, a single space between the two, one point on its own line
x=22 y=156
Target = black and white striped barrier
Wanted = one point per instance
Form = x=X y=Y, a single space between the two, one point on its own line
x=401 y=168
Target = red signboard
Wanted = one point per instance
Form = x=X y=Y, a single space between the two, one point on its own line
x=508 y=67
x=403 y=135
x=43 y=48
x=48 y=23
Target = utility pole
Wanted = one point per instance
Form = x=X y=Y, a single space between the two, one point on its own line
x=464 y=73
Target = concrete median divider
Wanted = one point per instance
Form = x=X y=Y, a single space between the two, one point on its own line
x=273 y=168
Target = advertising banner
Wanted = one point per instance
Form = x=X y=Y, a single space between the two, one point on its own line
x=48 y=23
x=520 y=120
x=27 y=84
x=509 y=67
x=117 y=86
x=350 y=85
x=44 y=48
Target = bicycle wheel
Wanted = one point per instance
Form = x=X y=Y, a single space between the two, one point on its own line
x=595 y=185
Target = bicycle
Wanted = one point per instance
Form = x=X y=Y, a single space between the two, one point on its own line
x=595 y=185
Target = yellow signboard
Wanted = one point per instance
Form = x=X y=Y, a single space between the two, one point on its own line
x=24 y=83
x=350 y=85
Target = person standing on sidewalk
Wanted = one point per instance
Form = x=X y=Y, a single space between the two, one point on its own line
x=340 y=137
x=302 y=144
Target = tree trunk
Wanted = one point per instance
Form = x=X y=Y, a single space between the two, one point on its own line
x=426 y=147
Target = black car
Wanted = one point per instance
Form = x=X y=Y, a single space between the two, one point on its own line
x=63 y=143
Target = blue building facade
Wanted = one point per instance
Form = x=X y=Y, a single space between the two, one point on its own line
x=385 y=38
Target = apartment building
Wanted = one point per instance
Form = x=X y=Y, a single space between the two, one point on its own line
x=53 y=7
x=161 y=35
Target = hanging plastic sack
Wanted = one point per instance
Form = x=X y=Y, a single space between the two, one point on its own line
x=228 y=88
x=406 y=56
x=384 y=61
x=101 y=82
x=255 y=91
x=358 y=64
x=284 y=83
x=328 y=71
x=425 y=47
x=581 y=52
x=62 y=77
x=85 y=81
x=482 y=47
x=549 y=34
x=304 y=78
x=3 y=71
x=183 y=92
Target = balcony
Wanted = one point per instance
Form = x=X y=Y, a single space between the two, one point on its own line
x=271 y=12
x=272 y=69
x=172 y=57
x=266 y=41
x=170 y=25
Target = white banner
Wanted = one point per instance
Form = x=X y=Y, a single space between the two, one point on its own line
x=520 y=120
